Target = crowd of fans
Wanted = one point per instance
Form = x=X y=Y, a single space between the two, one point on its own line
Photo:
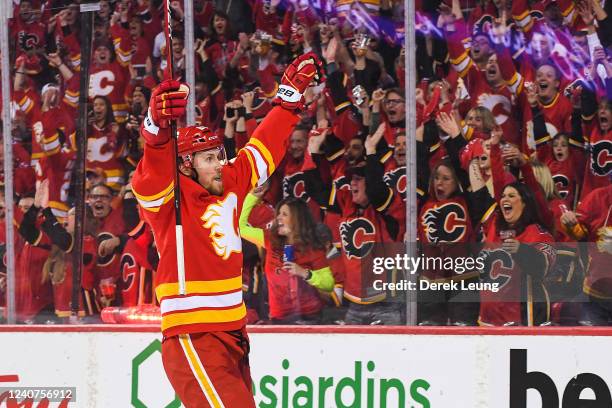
x=241 y=49
x=513 y=112
x=513 y=152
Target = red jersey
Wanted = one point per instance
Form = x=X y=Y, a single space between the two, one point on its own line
x=360 y=230
x=514 y=284
x=595 y=214
x=104 y=150
x=395 y=179
x=557 y=113
x=32 y=292
x=28 y=35
x=110 y=80
x=567 y=174
x=499 y=101
x=293 y=184
x=134 y=267
x=112 y=226
x=213 y=250
x=441 y=223
x=599 y=161
x=290 y=295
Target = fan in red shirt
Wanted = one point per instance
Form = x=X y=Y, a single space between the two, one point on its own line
x=292 y=284
x=518 y=254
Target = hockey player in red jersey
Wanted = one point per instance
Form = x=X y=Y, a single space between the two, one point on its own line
x=205 y=347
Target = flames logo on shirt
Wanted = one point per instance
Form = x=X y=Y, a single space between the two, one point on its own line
x=446 y=223
x=396 y=179
x=219 y=218
x=294 y=186
x=601 y=157
x=562 y=183
x=358 y=237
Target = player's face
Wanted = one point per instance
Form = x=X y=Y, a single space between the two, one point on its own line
x=399 y=152
x=474 y=120
x=604 y=114
x=354 y=151
x=547 y=83
x=395 y=107
x=444 y=183
x=207 y=165
x=283 y=220
x=493 y=73
x=100 y=201
x=358 y=190
x=297 y=144
x=480 y=48
x=512 y=205
x=560 y=148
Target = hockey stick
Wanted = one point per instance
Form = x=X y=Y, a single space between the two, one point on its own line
x=180 y=249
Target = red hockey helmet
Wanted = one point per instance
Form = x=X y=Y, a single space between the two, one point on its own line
x=193 y=139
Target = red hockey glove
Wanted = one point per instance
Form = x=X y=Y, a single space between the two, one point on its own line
x=168 y=102
x=298 y=75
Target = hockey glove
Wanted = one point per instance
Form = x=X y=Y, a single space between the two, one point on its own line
x=297 y=77
x=168 y=102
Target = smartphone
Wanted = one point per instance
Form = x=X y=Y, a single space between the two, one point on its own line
x=357 y=91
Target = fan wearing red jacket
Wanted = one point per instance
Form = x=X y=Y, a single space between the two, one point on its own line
x=205 y=347
x=592 y=222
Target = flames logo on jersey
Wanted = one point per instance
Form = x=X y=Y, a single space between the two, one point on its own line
x=498 y=266
x=108 y=259
x=601 y=157
x=562 y=183
x=446 y=223
x=358 y=237
x=531 y=142
x=220 y=219
x=499 y=105
x=101 y=83
x=396 y=179
x=129 y=269
x=294 y=186
x=28 y=41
